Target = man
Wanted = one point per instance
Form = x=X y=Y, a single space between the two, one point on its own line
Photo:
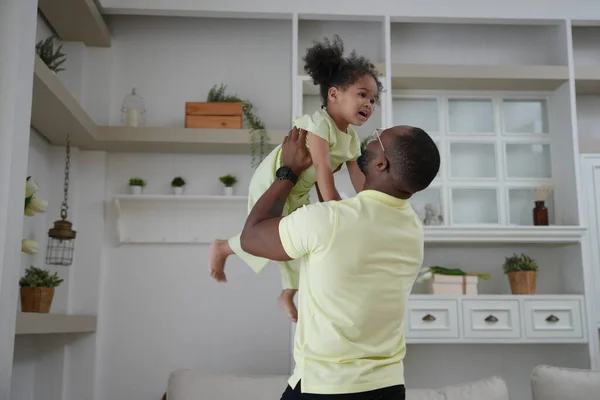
x=360 y=259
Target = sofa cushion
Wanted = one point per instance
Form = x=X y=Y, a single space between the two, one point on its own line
x=554 y=383
x=424 y=394
x=188 y=384
x=493 y=388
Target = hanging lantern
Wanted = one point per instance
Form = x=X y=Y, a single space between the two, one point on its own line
x=61 y=240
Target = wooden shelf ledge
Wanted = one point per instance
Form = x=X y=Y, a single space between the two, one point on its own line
x=478 y=77
x=76 y=21
x=37 y=323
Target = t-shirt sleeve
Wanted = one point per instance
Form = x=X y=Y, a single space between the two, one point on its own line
x=355 y=147
x=309 y=229
x=314 y=124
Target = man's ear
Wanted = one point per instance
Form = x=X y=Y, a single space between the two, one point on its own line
x=382 y=163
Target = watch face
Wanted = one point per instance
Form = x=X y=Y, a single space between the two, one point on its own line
x=283 y=172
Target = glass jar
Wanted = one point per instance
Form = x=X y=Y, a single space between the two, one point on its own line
x=133 y=110
x=540 y=213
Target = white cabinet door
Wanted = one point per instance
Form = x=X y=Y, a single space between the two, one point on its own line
x=491 y=319
x=431 y=319
x=552 y=319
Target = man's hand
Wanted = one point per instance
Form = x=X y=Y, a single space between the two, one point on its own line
x=294 y=153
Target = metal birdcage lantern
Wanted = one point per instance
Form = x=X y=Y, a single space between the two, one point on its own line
x=61 y=238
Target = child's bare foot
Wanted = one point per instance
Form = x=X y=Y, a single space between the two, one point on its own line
x=218 y=253
x=286 y=302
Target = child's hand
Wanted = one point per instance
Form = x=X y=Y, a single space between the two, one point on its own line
x=294 y=153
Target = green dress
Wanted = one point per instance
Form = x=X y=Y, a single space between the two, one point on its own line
x=343 y=147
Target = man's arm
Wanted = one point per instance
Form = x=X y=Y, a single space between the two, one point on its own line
x=260 y=236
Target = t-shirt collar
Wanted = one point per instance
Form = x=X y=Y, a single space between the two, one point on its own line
x=384 y=198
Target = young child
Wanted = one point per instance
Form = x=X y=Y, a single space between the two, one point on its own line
x=349 y=88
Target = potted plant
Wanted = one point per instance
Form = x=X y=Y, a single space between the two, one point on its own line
x=522 y=273
x=450 y=281
x=228 y=181
x=177 y=184
x=259 y=138
x=137 y=185
x=37 y=290
x=52 y=58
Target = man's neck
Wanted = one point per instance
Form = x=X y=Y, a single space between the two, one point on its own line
x=391 y=191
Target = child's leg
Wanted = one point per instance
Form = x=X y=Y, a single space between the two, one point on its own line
x=221 y=249
x=290 y=277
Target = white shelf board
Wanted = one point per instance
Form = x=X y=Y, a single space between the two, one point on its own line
x=76 y=21
x=380 y=67
x=55 y=112
x=478 y=77
x=504 y=234
x=155 y=205
x=38 y=323
x=179 y=140
x=587 y=80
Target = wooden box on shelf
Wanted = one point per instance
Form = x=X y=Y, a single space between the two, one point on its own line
x=213 y=115
x=452 y=285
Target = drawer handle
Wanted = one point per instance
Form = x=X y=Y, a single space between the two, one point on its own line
x=552 y=318
x=429 y=318
x=491 y=318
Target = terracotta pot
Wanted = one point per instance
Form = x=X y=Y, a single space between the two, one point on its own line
x=36 y=299
x=522 y=282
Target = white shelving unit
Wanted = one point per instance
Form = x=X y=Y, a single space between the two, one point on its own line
x=504 y=103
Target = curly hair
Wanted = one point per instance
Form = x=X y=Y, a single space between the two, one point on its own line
x=326 y=65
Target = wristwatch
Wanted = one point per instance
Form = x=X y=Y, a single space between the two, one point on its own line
x=285 y=172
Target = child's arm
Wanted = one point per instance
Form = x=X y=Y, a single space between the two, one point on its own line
x=319 y=152
x=356 y=176
x=317 y=185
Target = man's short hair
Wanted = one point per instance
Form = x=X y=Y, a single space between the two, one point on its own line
x=414 y=159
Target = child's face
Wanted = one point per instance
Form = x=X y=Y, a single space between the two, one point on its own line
x=356 y=102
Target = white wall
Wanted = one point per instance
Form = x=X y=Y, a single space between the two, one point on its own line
x=170 y=61
x=159 y=308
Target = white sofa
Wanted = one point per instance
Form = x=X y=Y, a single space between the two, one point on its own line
x=547 y=383
x=195 y=385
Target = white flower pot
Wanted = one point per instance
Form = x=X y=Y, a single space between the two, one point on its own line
x=178 y=191
x=228 y=191
x=136 y=189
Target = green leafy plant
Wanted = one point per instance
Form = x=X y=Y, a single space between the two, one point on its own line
x=228 y=180
x=259 y=139
x=137 y=182
x=178 y=182
x=37 y=277
x=51 y=57
x=427 y=273
x=522 y=262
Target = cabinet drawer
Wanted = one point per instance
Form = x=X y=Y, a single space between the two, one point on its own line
x=431 y=319
x=491 y=319
x=553 y=319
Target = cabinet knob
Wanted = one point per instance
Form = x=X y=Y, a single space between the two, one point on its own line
x=429 y=318
x=491 y=318
x=552 y=318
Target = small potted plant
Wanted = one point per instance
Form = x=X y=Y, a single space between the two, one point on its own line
x=177 y=184
x=37 y=290
x=137 y=185
x=228 y=181
x=522 y=273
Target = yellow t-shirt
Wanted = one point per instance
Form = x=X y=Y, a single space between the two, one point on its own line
x=360 y=258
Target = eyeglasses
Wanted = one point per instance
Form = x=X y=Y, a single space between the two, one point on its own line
x=375 y=136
